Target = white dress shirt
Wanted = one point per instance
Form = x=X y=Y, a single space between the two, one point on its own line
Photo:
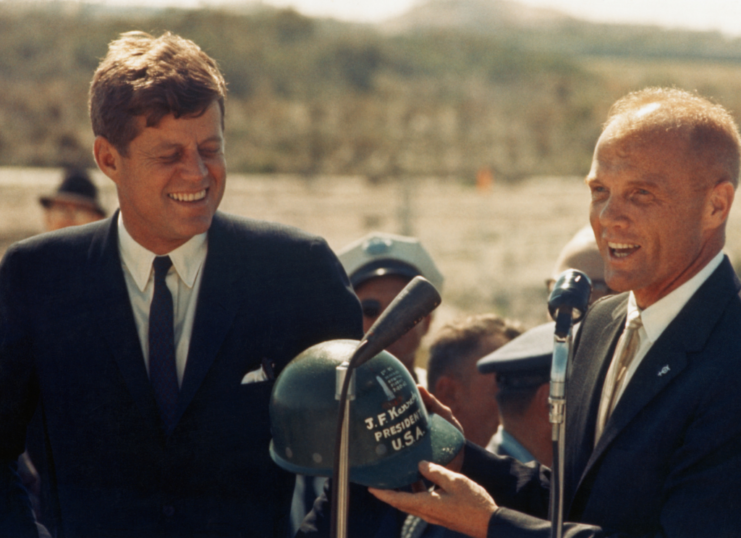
x=655 y=319
x=183 y=280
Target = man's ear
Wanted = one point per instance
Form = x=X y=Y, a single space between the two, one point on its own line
x=542 y=395
x=107 y=158
x=720 y=199
x=446 y=390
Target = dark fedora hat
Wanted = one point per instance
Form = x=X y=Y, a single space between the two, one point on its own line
x=76 y=188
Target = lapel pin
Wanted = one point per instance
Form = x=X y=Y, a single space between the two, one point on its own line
x=664 y=370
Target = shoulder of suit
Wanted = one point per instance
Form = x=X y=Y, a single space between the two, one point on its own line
x=609 y=303
x=604 y=310
x=259 y=232
x=65 y=242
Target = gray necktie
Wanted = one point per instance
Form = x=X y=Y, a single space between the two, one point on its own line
x=616 y=377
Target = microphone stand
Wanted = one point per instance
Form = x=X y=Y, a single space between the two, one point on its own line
x=567 y=304
x=413 y=303
x=557 y=399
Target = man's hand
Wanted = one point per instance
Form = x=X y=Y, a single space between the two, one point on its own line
x=433 y=405
x=457 y=503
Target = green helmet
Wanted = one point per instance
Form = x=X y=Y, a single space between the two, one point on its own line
x=390 y=429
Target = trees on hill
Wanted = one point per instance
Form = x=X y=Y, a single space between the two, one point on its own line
x=315 y=97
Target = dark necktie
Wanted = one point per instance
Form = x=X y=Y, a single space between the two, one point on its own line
x=162 y=371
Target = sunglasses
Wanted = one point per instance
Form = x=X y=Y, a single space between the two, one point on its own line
x=371 y=308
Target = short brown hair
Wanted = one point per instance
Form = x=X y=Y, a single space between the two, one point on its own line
x=152 y=77
x=457 y=341
x=708 y=129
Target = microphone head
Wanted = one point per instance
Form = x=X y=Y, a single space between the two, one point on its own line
x=572 y=291
x=413 y=303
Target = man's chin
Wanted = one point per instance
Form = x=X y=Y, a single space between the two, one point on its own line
x=195 y=226
x=618 y=282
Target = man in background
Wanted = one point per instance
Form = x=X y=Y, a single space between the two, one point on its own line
x=523 y=370
x=75 y=202
x=582 y=253
x=454 y=379
x=379 y=266
x=471 y=395
x=149 y=341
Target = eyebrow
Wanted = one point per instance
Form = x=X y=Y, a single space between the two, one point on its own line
x=645 y=179
x=649 y=180
x=174 y=145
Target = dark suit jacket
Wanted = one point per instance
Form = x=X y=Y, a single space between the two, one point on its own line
x=669 y=461
x=68 y=342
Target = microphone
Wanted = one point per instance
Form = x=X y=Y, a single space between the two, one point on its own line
x=569 y=300
x=408 y=308
x=567 y=304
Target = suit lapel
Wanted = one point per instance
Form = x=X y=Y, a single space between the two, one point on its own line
x=215 y=311
x=655 y=372
x=109 y=296
x=668 y=357
x=585 y=387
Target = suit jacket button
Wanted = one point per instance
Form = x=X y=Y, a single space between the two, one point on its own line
x=168 y=510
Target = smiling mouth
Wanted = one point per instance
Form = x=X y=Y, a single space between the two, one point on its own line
x=188 y=197
x=622 y=250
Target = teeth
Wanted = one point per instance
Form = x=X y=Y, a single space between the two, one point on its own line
x=621 y=245
x=621 y=250
x=188 y=197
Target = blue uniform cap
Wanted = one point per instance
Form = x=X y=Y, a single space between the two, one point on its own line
x=380 y=254
x=529 y=352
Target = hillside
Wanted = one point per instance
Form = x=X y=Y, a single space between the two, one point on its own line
x=314 y=97
x=484 y=16
x=549 y=30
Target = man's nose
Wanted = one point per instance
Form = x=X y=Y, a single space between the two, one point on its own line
x=193 y=166
x=612 y=212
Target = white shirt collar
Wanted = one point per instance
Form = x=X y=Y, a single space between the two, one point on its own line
x=659 y=315
x=187 y=259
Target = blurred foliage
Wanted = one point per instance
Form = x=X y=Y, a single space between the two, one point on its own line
x=321 y=97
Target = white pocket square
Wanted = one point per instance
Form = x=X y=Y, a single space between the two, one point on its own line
x=255 y=376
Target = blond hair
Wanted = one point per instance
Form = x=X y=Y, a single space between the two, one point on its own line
x=708 y=129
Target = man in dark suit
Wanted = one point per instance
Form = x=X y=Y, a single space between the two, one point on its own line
x=652 y=423
x=152 y=386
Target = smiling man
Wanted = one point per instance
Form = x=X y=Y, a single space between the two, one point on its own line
x=652 y=431
x=147 y=343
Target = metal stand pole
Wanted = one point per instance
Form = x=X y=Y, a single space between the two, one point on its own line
x=557 y=400
x=567 y=304
x=343 y=474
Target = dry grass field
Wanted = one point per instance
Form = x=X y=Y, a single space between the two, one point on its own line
x=494 y=248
